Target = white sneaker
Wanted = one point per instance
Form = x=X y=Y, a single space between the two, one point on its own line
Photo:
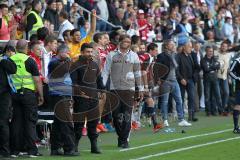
x=14 y=156
x=184 y=123
x=165 y=123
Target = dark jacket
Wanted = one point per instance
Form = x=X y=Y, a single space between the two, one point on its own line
x=52 y=17
x=197 y=69
x=165 y=60
x=210 y=67
x=7 y=66
x=235 y=72
x=86 y=76
x=186 y=67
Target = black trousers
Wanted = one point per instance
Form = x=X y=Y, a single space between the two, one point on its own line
x=62 y=134
x=23 y=124
x=86 y=108
x=122 y=114
x=5 y=104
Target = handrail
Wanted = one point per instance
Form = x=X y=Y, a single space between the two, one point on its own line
x=109 y=23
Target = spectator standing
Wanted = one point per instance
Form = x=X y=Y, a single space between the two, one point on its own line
x=75 y=15
x=104 y=14
x=51 y=14
x=228 y=31
x=64 y=24
x=77 y=42
x=168 y=81
x=5 y=23
x=224 y=59
x=185 y=74
x=210 y=67
x=36 y=54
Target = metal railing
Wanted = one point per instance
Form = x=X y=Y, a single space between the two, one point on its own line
x=109 y=23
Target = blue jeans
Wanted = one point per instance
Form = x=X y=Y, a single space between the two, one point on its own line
x=211 y=85
x=224 y=88
x=190 y=88
x=101 y=26
x=176 y=94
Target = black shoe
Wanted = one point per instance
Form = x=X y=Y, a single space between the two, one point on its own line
x=57 y=152
x=34 y=155
x=76 y=145
x=194 y=119
x=94 y=146
x=95 y=151
x=120 y=143
x=71 y=153
x=236 y=131
x=125 y=145
x=215 y=114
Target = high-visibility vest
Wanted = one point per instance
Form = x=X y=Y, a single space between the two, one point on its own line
x=37 y=25
x=22 y=78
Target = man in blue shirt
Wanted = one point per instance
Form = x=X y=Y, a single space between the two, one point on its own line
x=60 y=91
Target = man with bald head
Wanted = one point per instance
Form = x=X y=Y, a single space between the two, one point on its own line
x=25 y=102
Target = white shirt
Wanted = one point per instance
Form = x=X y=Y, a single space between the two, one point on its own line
x=224 y=60
x=46 y=57
x=66 y=25
x=228 y=31
x=102 y=5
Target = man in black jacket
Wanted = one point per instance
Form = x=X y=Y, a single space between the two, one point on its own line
x=7 y=66
x=51 y=14
x=86 y=79
x=60 y=91
x=168 y=83
x=185 y=74
x=210 y=66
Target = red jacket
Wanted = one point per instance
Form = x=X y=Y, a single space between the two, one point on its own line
x=39 y=63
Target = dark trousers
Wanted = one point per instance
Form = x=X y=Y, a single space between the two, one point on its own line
x=211 y=86
x=23 y=124
x=122 y=114
x=190 y=88
x=86 y=108
x=5 y=104
x=62 y=135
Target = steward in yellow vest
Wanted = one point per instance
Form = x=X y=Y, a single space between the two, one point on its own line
x=22 y=79
x=25 y=102
x=34 y=20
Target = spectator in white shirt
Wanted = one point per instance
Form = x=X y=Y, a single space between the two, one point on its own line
x=228 y=31
x=50 y=47
x=65 y=24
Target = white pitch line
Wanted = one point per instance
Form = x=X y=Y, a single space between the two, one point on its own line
x=185 y=148
x=175 y=140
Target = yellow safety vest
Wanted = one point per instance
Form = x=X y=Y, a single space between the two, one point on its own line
x=37 y=25
x=22 y=78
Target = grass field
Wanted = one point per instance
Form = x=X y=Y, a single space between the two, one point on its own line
x=210 y=138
